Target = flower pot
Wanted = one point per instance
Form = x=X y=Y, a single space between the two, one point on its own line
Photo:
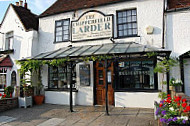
x=38 y=99
x=172 y=88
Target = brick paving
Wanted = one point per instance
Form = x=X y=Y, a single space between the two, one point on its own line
x=59 y=115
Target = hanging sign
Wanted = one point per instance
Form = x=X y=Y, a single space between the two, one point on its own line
x=92 y=25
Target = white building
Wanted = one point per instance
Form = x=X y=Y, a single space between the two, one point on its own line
x=18 y=39
x=177 y=39
x=126 y=29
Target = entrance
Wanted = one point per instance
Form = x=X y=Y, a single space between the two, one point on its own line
x=101 y=83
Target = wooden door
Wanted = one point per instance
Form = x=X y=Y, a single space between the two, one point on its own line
x=101 y=83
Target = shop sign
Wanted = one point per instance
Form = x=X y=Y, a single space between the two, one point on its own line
x=92 y=25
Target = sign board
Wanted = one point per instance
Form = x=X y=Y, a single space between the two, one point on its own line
x=84 y=72
x=92 y=25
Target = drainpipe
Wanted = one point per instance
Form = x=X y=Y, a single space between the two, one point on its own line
x=106 y=79
x=71 y=89
x=163 y=22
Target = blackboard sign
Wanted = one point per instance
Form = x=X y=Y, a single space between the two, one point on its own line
x=84 y=72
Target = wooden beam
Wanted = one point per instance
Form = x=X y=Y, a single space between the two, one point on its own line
x=71 y=89
x=106 y=86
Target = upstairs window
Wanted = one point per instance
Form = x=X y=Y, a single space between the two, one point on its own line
x=62 y=30
x=127 y=23
x=9 y=41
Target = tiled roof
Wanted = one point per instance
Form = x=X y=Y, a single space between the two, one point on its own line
x=172 y=4
x=29 y=20
x=61 y=6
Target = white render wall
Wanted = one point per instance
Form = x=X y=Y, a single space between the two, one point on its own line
x=149 y=13
x=135 y=99
x=23 y=43
x=177 y=32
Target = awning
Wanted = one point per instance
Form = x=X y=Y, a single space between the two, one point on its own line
x=105 y=49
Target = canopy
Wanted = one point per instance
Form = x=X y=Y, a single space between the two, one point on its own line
x=105 y=49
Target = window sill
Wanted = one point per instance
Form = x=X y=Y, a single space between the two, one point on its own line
x=137 y=90
x=126 y=37
x=62 y=90
x=61 y=41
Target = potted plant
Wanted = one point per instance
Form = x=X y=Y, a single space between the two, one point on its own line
x=175 y=84
x=8 y=91
x=173 y=111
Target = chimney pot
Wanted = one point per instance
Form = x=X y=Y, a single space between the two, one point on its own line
x=21 y=3
x=26 y=5
x=17 y=3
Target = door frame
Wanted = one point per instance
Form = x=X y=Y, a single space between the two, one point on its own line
x=113 y=83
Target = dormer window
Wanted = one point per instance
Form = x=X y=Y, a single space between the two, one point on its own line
x=62 y=30
x=9 y=41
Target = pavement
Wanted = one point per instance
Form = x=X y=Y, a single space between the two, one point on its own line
x=59 y=115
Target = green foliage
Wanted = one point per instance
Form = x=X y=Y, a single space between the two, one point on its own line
x=151 y=54
x=162 y=95
x=95 y=58
x=165 y=65
x=174 y=82
x=8 y=91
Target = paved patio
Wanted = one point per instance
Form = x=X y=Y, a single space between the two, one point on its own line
x=58 y=115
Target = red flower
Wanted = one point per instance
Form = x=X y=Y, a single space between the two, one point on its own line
x=161 y=105
x=0 y=94
x=4 y=95
x=169 y=95
x=178 y=99
x=10 y=95
x=184 y=100
x=184 y=105
x=188 y=108
x=168 y=100
x=178 y=104
x=4 y=86
x=185 y=110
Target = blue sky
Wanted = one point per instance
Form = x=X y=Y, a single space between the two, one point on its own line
x=36 y=6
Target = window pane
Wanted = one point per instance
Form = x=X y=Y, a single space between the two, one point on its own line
x=66 y=32
x=129 y=26
x=58 y=39
x=65 y=37
x=130 y=31
x=134 y=25
x=125 y=32
x=124 y=20
x=58 y=23
x=119 y=14
x=134 y=18
x=58 y=33
x=134 y=31
x=65 y=27
x=120 y=33
x=129 y=13
x=120 y=20
x=134 y=12
x=136 y=75
x=124 y=14
x=120 y=27
x=66 y=22
x=128 y=19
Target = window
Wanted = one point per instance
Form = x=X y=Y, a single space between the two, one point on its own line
x=136 y=75
x=9 y=41
x=127 y=23
x=59 y=77
x=62 y=30
x=3 y=74
x=13 y=78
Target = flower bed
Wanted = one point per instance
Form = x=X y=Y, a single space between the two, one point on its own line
x=173 y=111
x=8 y=103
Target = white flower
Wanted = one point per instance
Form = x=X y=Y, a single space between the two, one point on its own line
x=184 y=117
x=171 y=108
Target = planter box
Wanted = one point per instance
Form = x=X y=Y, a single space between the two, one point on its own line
x=8 y=103
x=25 y=101
x=163 y=124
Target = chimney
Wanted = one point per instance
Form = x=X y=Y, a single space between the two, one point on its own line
x=17 y=3
x=25 y=5
x=21 y=3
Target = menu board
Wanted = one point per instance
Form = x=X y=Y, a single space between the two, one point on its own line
x=84 y=72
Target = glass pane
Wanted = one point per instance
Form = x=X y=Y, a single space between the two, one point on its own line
x=120 y=48
x=65 y=37
x=124 y=20
x=125 y=32
x=130 y=32
x=100 y=64
x=120 y=20
x=124 y=14
x=90 y=51
x=100 y=73
x=125 y=26
x=66 y=32
x=109 y=77
x=120 y=33
x=58 y=39
x=65 y=28
x=66 y=22
x=129 y=19
x=129 y=25
x=58 y=23
x=129 y=13
x=134 y=25
x=134 y=12
x=134 y=18
x=58 y=33
x=80 y=51
x=58 y=29
x=120 y=27
x=134 y=31
x=119 y=14
x=105 y=49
